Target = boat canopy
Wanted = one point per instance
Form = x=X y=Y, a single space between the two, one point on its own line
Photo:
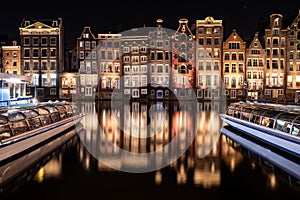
x=275 y=117
x=20 y=120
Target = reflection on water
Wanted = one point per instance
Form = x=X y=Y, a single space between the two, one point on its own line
x=113 y=138
x=39 y=165
x=141 y=128
x=193 y=130
x=275 y=166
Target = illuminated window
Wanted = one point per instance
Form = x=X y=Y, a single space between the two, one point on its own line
x=116 y=54
x=44 y=80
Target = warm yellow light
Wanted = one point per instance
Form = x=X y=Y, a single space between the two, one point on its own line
x=158 y=177
x=40 y=175
x=232 y=164
x=272 y=181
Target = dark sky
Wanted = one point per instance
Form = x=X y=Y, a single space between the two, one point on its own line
x=117 y=16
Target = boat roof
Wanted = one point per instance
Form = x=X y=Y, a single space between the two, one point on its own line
x=267 y=106
x=278 y=111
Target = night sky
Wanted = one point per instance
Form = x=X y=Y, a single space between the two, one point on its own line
x=114 y=16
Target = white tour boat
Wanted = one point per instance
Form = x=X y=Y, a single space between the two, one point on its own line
x=275 y=125
x=24 y=128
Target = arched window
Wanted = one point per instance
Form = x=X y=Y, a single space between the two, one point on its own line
x=183 y=48
x=183 y=37
x=183 y=69
x=182 y=58
x=276 y=22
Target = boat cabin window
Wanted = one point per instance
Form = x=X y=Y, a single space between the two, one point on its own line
x=75 y=110
x=30 y=113
x=257 y=115
x=4 y=132
x=62 y=112
x=33 y=118
x=284 y=121
x=267 y=121
x=15 y=116
x=3 y=120
x=4 y=128
x=69 y=110
x=296 y=127
x=268 y=118
x=44 y=116
x=17 y=123
x=246 y=114
x=231 y=111
x=256 y=119
x=280 y=124
x=51 y=109
x=54 y=114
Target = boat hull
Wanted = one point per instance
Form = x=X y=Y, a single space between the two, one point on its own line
x=12 y=149
x=278 y=160
x=284 y=142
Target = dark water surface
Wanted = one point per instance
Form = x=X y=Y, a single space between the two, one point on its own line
x=115 y=156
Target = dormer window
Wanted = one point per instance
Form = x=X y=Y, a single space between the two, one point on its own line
x=276 y=22
x=54 y=23
x=27 y=23
x=85 y=35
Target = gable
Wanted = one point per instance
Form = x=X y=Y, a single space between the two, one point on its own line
x=38 y=25
x=234 y=36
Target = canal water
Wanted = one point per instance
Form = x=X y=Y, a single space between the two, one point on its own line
x=152 y=151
